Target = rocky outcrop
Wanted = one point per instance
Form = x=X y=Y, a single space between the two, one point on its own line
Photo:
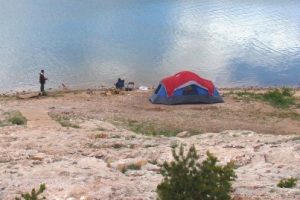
x=101 y=161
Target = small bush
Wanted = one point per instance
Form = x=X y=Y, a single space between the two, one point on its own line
x=186 y=179
x=287 y=183
x=280 y=98
x=134 y=166
x=33 y=195
x=288 y=92
x=17 y=118
x=247 y=95
x=65 y=122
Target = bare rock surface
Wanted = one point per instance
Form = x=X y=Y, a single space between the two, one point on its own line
x=76 y=164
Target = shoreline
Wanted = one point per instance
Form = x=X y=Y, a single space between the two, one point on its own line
x=104 y=88
x=244 y=108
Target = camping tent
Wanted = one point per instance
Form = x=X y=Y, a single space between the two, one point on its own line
x=185 y=88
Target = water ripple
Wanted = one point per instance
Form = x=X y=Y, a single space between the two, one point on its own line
x=93 y=43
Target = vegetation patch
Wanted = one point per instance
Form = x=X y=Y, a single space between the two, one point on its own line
x=33 y=195
x=4 y=123
x=115 y=136
x=151 y=129
x=13 y=118
x=100 y=129
x=296 y=138
x=132 y=166
x=101 y=136
x=17 y=118
x=287 y=183
x=186 y=178
x=7 y=98
x=153 y=162
x=66 y=122
x=280 y=98
x=289 y=114
x=117 y=145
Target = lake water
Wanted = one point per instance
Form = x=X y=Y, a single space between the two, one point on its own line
x=88 y=43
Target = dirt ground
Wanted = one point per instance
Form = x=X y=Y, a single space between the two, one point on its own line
x=134 y=109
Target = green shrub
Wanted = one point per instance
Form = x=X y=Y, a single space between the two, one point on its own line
x=280 y=98
x=17 y=118
x=247 y=95
x=33 y=195
x=288 y=92
x=287 y=183
x=186 y=179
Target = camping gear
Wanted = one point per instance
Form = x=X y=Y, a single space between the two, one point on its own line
x=129 y=86
x=143 y=88
x=185 y=88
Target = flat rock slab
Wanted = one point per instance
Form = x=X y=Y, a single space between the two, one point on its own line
x=28 y=95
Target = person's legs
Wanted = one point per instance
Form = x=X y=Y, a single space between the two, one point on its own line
x=42 y=87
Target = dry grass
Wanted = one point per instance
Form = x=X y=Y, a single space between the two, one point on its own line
x=65 y=121
x=13 y=118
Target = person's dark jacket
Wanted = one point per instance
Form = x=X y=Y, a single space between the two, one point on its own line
x=42 y=78
x=120 y=84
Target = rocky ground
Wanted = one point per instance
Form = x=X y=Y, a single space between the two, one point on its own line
x=99 y=152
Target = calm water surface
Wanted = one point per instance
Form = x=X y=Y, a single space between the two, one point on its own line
x=93 y=42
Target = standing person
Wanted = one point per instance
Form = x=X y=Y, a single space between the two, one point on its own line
x=42 y=81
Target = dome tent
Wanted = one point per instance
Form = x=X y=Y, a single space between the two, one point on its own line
x=185 y=88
